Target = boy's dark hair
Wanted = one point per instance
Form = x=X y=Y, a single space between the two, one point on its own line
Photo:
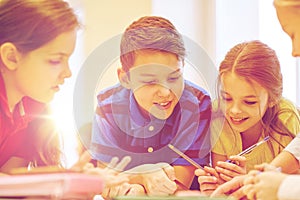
x=150 y=33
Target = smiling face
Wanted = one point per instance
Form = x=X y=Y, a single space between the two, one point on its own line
x=41 y=71
x=157 y=83
x=243 y=103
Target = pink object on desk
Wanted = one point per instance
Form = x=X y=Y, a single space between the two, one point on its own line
x=53 y=185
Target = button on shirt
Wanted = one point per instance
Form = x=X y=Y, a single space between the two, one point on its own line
x=120 y=129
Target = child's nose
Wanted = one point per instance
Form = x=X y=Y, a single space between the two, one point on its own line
x=235 y=108
x=67 y=73
x=163 y=91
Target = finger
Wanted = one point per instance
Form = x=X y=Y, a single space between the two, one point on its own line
x=136 y=190
x=155 y=189
x=207 y=192
x=169 y=187
x=83 y=160
x=260 y=167
x=200 y=172
x=226 y=178
x=265 y=167
x=249 y=180
x=229 y=173
x=230 y=167
x=254 y=172
x=208 y=187
x=207 y=179
x=112 y=181
x=123 y=163
x=250 y=192
x=268 y=167
x=123 y=190
x=88 y=166
x=105 y=192
x=239 y=194
x=220 y=191
x=163 y=187
x=227 y=187
x=169 y=170
x=113 y=162
x=114 y=191
x=211 y=171
x=240 y=160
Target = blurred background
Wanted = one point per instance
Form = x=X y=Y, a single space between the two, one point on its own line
x=215 y=25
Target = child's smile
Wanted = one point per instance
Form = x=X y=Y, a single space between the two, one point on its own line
x=157 y=83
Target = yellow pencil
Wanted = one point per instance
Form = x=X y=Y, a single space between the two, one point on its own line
x=185 y=157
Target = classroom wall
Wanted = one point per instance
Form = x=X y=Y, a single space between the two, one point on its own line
x=105 y=19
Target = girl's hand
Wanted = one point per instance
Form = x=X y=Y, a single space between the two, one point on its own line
x=208 y=179
x=266 y=167
x=234 y=188
x=229 y=170
x=111 y=174
x=263 y=185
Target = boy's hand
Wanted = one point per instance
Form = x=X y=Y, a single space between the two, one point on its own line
x=157 y=179
x=124 y=189
x=208 y=179
x=159 y=182
x=228 y=170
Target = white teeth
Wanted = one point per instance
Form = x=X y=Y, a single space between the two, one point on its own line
x=237 y=120
x=163 y=104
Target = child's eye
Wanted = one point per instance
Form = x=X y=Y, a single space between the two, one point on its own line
x=54 y=62
x=152 y=82
x=226 y=98
x=173 y=79
x=250 y=102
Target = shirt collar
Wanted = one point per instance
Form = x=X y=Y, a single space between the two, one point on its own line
x=23 y=109
x=138 y=120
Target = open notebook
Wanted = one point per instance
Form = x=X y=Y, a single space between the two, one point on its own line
x=52 y=185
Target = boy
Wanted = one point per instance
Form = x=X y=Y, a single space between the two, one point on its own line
x=153 y=106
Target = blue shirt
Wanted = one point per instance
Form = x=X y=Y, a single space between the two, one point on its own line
x=120 y=129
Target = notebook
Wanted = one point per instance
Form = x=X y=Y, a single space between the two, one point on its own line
x=52 y=185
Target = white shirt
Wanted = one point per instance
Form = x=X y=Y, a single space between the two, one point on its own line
x=289 y=190
x=294 y=147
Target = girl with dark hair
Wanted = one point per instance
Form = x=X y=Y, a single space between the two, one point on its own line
x=36 y=41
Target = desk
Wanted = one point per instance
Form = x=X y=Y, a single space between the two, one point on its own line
x=172 y=198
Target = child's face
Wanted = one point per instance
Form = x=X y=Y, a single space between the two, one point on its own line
x=243 y=103
x=41 y=71
x=157 y=83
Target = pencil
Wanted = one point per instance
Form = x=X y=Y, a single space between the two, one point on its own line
x=185 y=157
x=249 y=149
